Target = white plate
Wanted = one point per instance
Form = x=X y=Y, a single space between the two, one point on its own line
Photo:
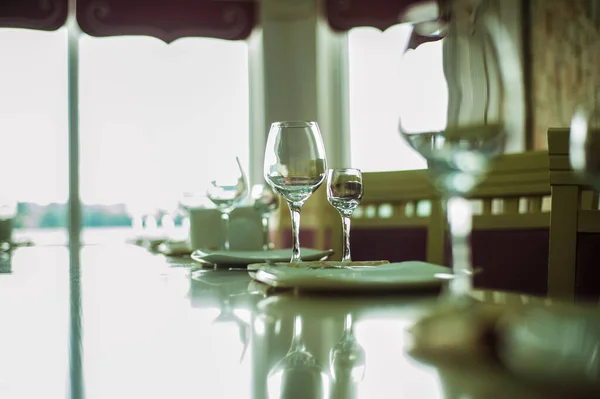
x=394 y=276
x=246 y=257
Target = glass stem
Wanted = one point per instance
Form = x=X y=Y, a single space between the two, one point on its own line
x=348 y=325
x=346 y=233
x=295 y=208
x=460 y=220
x=265 y=229
x=297 y=343
x=225 y=219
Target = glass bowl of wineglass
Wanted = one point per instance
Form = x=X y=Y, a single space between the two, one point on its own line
x=295 y=167
x=226 y=192
x=344 y=193
x=453 y=111
x=265 y=202
x=298 y=374
x=584 y=143
x=347 y=358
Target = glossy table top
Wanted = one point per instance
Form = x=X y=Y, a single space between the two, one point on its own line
x=152 y=329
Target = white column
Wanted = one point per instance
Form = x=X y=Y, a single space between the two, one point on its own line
x=298 y=72
x=258 y=125
x=332 y=94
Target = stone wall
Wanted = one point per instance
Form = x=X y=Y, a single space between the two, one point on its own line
x=565 y=55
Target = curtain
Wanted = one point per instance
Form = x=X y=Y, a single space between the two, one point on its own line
x=168 y=20
x=344 y=15
x=33 y=14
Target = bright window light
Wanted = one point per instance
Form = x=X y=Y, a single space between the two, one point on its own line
x=375 y=79
x=33 y=116
x=156 y=117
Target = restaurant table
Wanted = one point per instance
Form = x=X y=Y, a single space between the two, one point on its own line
x=151 y=327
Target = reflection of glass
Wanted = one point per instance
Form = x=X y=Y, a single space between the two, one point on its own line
x=5 y=262
x=295 y=167
x=344 y=192
x=228 y=315
x=455 y=120
x=347 y=358
x=265 y=202
x=226 y=193
x=139 y=210
x=169 y=210
x=8 y=211
x=297 y=375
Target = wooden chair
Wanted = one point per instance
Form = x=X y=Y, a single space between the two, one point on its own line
x=574 y=227
x=402 y=218
x=511 y=225
x=398 y=216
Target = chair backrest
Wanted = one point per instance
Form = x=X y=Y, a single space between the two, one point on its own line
x=511 y=224
x=574 y=226
x=400 y=218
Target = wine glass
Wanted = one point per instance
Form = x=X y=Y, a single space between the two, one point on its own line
x=295 y=168
x=584 y=143
x=226 y=193
x=344 y=193
x=453 y=112
x=265 y=202
x=297 y=374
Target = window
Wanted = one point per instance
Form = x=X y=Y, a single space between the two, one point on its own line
x=34 y=127
x=154 y=118
x=375 y=81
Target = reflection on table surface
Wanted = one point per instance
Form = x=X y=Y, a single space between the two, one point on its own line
x=152 y=329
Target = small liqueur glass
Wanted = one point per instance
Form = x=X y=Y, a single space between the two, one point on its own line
x=344 y=192
x=347 y=357
x=266 y=201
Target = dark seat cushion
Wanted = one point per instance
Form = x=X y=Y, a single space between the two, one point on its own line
x=512 y=260
x=395 y=244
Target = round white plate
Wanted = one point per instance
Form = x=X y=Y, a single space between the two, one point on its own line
x=394 y=276
x=246 y=257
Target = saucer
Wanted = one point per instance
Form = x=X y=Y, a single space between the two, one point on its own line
x=247 y=257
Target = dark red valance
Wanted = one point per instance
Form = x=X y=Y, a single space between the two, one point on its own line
x=168 y=20
x=33 y=14
x=344 y=15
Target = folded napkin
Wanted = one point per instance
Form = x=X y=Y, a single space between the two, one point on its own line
x=336 y=264
x=371 y=276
